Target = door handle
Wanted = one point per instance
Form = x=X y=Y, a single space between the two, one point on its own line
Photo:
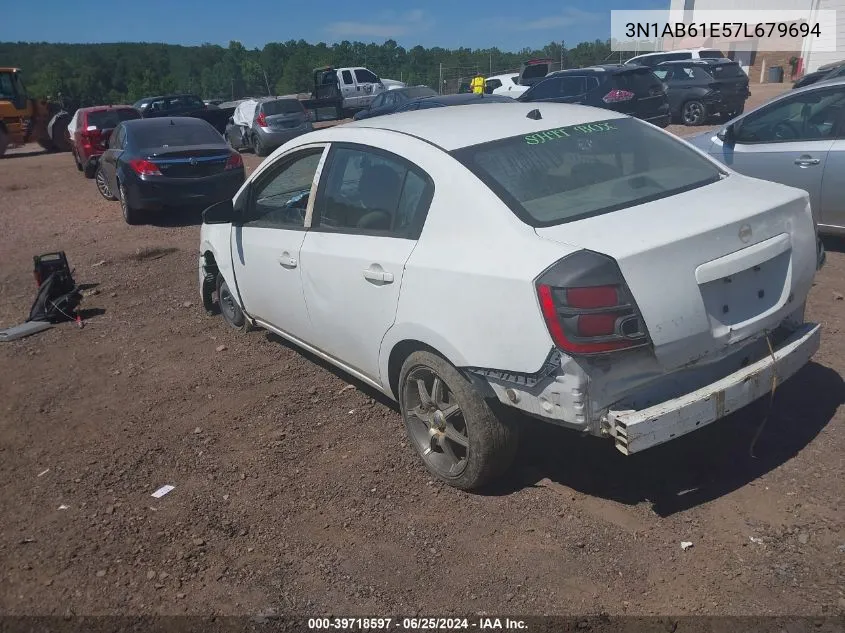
x=807 y=161
x=286 y=261
x=378 y=276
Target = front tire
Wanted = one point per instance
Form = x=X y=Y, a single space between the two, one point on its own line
x=229 y=308
x=694 y=113
x=130 y=214
x=459 y=438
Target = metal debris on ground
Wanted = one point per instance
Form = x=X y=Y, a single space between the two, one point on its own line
x=685 y=545
x=158 y=494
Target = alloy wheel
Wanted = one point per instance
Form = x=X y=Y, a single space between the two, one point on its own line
x=435 y=422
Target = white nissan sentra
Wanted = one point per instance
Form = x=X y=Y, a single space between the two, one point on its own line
x=576 y=265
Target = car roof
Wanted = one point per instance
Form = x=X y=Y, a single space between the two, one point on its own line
x=711 y=61
x=165 y=121
x=677 y=50
x=104 y=108
x=612 y=69
x=453 y=128
x=505 y=76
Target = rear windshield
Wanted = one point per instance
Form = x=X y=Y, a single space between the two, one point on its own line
x=639 y=81
x=565 y=174
x=281 y=106
x=105 y=119
x=727 y=71
x=710 y=54
x=199 y=133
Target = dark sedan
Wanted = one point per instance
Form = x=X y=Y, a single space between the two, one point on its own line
x=167 y=162
x=390 y=101
x=632 y=90
x=440 y=101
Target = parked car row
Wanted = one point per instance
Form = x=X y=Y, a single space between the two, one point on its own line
x=648 y=288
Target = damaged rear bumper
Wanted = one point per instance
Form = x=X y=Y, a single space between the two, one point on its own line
x=635 y=431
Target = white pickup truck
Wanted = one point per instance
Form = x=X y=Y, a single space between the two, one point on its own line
x=347 y=89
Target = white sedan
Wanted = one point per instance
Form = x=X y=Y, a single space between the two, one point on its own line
x=566 y=262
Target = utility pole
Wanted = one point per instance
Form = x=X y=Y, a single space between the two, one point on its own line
x=491 y=64
x=440 y=81
x=561 y=54
x=266 y=83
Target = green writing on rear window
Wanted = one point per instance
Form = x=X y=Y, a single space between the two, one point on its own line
x=570 y=130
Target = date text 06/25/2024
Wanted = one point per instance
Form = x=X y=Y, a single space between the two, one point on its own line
x=416 y=624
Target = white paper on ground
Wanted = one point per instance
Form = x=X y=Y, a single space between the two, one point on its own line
x=158 y=494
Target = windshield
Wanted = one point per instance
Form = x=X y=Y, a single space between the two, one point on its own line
x=578 y=171
x=281 y=106
x=105 y=119
x=199 y=133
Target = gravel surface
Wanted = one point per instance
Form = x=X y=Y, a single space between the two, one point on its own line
x=297 y=494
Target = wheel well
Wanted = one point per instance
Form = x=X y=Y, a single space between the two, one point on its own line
x=398 y=356
x=209 y=283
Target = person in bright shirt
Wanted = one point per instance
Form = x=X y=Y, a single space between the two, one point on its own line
x=477 y=84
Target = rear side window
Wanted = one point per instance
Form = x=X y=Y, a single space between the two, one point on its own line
x=347 y=77
x=565 y=174
x=639 y=81
x=727 y=71
x=368 y=192
x=105 y=119
x=711 y=54
x=282 y=106
x=671 y=57
x=185 y=133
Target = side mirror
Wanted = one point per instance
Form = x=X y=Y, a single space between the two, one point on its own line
x=727 y=134
x=220 y=213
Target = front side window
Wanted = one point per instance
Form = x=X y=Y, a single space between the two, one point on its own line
x=573 y=86
x=281 y=197
x=364 y=76
x=807 y=116
x=565 y=174
x=368 y=191
x=547 y=89
x=6 y=89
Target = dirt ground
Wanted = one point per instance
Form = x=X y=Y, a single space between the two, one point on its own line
x=296 y=494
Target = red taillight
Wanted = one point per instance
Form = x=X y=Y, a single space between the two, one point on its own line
x=144 y=167
x=261 y=120
x=618 y=96
x=234 y=161
x=587 y=306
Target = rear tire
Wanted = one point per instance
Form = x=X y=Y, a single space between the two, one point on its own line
x=4 y=142
x=229 y=308
x=459 y=438
x=258 y=147
x=131 y=215
x=103 y=185
x=76 y=161
x=90 y=170
x=693 y=113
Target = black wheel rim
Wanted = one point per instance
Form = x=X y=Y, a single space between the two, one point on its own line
x=693 y=112
x=435 y=422
x=102 y=185
x=227 y=305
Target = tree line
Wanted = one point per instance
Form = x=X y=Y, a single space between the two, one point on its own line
x=88 y=74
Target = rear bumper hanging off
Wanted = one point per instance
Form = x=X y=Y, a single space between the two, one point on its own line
x=635 y=431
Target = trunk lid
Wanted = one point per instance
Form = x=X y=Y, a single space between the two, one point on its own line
x=286 y=121
x=709 y=267
x=191 y=161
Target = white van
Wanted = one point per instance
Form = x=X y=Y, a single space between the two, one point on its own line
x=652 y=59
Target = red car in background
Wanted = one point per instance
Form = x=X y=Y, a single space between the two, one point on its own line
x=89 y=129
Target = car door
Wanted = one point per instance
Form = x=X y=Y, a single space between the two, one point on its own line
x=347 y=89
x=266 y=242
x=787 y=141
x=831 y=214
x=110 y=157
x=366 y=83
x=367 y=217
